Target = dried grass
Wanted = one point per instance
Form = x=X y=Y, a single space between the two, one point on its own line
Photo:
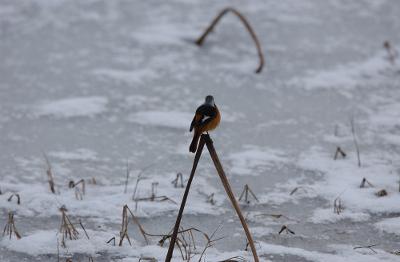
x=185 y=241
x=304 y=188
x=138 y=179
x=337 y=206
x=79 y=192
x=370 y=247
x=67 y=229
x=124 y=226
x=286 y=229
x=353 y=132
x=275 y=216
x=381 y=193
x=49 y=173
x=178 y=181
x=210 y=199
x=246 y=193
x=128 y=172
x=365 y=183
x=210 y=242
x=338 y=152
x=17 y=196
x=234 y=259
x=10 y=228
x=392 y=53
x=153 y=196
x=151 y=259
x=111 y=239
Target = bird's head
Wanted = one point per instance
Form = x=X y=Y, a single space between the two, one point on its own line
x=210 y=100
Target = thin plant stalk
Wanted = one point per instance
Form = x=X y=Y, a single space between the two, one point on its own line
x=183 y=203
x=49 y=173
x=128 y=171
x=10 y=227
x=230 y=194
x=353 y=132
x=247 y=25
x=139 y=177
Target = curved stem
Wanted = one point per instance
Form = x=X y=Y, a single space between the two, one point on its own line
x=210 y=28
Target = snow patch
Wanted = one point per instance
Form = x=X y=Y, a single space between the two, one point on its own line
x=389 y=225
x=172 y=119
x=82 y=154
x=326 y=215
x=73 y=107
x=104 y=202
x=247 y=161
x=342 y=178
x=126 y=76
x=339 y=253
x=346 y=76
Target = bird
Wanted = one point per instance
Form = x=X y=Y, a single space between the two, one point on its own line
x=206 y=118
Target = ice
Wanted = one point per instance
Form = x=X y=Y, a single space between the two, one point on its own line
x=106 y=91
x=129 y=77
x=328 y=216
x=82 y=154
x=73 y=107
x=389 y=225
x=252 y=158
x=343 y=179
x=348 y=75
x=171 y=119
x=344 y=253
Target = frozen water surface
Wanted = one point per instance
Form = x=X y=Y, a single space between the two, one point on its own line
x=96 y=84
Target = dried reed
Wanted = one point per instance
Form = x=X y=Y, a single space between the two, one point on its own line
x=245 y=193
x=247 y=25
x=286 y=229
x=365 y=183
x=210 y=242
x=138 y=179
x=79 y=193
x=17 y=196
x=124 y=226
x=370 y=247
x=381 y=193
x=353 y=132
x=178 y=181
x=338 y=152
x=210 y=199
x=392 y=53
x=337 y=206
x=128 y=172
x=10 y=227
x=67 y=229
x=49 y=173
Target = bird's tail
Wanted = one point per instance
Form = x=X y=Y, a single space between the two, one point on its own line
x=195 y=141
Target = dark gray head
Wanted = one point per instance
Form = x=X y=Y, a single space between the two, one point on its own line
x=210 y=100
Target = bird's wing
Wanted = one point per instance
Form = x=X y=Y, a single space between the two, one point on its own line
x=197 y=119
x=193 y=123
x=204 y=114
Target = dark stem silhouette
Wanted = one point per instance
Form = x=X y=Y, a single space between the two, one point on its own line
x=253 y=35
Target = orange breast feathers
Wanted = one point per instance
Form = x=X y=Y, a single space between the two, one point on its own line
x=206 y=118
x=212 y=124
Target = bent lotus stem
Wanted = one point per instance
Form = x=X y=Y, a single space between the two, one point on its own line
x=253 y=35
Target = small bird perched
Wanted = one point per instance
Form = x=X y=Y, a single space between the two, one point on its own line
x=207 y=118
